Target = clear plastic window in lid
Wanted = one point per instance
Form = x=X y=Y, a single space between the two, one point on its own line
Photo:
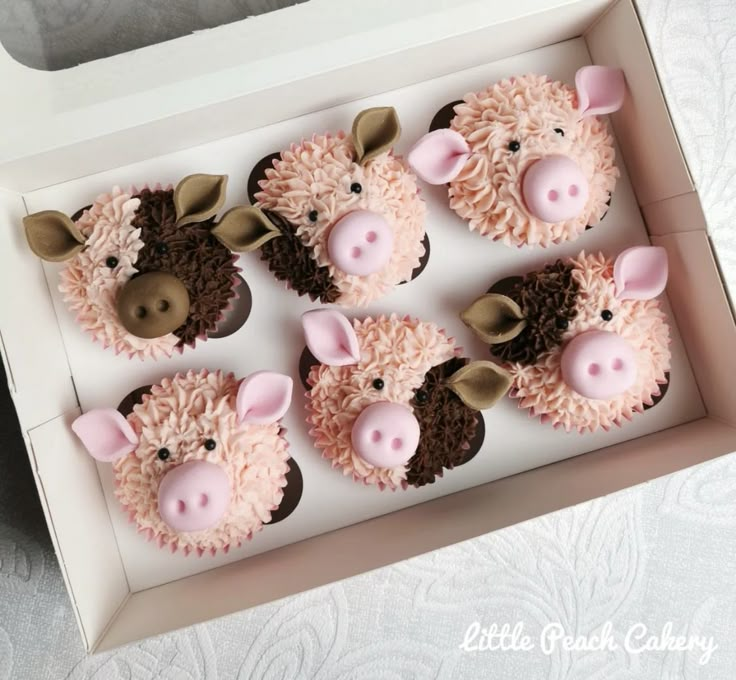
x=52 y=35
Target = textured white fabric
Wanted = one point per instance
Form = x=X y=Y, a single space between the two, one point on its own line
x=663 y=552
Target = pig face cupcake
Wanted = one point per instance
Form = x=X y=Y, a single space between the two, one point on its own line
x=528 y=161
x=584 y=339
x=201 y=462
x=148 y=271
x=339 y=216
x=391 y=401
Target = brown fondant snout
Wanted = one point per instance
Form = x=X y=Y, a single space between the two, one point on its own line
x=152 y=305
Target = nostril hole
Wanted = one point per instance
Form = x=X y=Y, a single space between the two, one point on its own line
x=376 y=436
x=573 y=190
x=162 y=305
x=181 y=507
x=355 y=252
x=371 y=236
x=553 y=195
x=617 y=364
x=203 y=500
x=396 y=444
x=141 y=312
x=594 y=369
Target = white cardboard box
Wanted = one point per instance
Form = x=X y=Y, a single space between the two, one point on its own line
x=203 y=107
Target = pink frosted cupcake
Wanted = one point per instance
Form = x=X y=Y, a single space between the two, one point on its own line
x=201 y=462
x=391 y=401
x=345 y=217
x=150 y=271
x=584 y=339
x=528 y=161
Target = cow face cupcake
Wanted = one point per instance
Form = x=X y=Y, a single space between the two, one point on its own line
x=148 y=271
x=584 y=339
x=391 y=401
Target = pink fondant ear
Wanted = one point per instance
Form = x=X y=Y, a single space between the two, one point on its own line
x=438 y=157
x=263 y=398
x=600 y=89
x=640 y=273
x=330 y=337
x=106 y=434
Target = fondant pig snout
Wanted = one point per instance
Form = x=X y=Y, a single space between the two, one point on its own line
x=193 y=496
x=385 y=434
x=555 y=189
x=599 y=364
x=153 y=304
x=360 y=243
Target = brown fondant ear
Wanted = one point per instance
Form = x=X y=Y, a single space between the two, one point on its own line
x=52 y=235
x=258 y=173
x=245 y=228
x=480 y=384
x=494 y=318
x=375 y=131
x=199 y=197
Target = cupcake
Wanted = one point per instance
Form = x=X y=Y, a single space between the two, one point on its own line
x=528 y=160
x=342 y=218
x=584 y=339
x=391 y=402
x=151 y=271
x=201 y=462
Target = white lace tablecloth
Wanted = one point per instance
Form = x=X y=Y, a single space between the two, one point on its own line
x=663 y=554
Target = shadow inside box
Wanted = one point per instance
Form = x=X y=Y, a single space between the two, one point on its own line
x=20 y=507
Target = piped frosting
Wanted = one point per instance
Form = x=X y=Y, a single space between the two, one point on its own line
x=399 y=351
x=317 y=175
x=90 y=287
x=180 y=414
x=540 y=388
x=528 y=109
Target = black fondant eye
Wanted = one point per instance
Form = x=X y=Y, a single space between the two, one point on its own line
x=356 y=187
x=378 y=384
x=163 y=453
x=560 y=131
x=161 y=248
x=421 y=397
x=210 y=444
x=313 y=215
x=606 y=315
x=562 y=323
x=514 y=146
x=111 y=262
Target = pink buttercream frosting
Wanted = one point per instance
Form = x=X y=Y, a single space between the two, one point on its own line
x=90 y=287
x=641 y=323
x=488 y=190
x=317 y=175
x=180 y=414
x=398 y=350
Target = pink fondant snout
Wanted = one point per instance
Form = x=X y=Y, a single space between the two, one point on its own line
x=360 y=243
x=385 y=434
x=555 y=189
x=194 y=496
x=599 y=365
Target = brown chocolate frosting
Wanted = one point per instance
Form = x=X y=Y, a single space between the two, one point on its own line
x=447 y=426
x=547 y=300
x=205 y=266
x=291 y=261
